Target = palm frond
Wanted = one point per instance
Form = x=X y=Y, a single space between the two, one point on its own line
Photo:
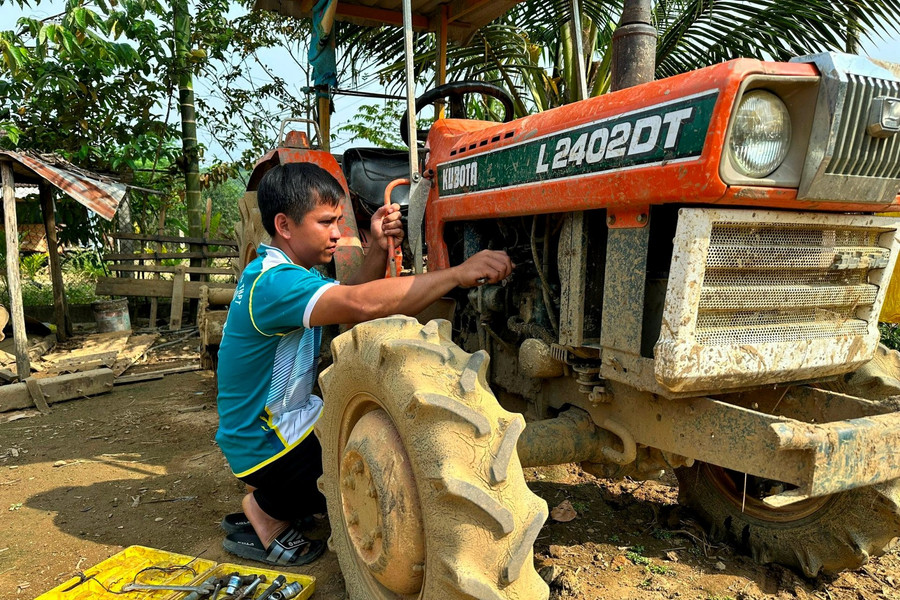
x=527 y=50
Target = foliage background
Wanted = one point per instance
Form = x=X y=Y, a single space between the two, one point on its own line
x=96 y=82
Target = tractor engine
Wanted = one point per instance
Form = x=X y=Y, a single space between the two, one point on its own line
x=517 y=320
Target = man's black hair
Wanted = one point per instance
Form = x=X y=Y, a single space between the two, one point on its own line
x=295 y=189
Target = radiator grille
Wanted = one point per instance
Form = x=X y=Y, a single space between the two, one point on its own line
x=770 y=283
x=856 y=152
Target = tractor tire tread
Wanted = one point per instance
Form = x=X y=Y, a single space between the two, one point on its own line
x=452 y=428
x=842 y=534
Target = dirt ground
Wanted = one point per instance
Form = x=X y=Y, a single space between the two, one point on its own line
x=139 y=466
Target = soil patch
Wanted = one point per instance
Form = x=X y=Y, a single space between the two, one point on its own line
x=139 y=466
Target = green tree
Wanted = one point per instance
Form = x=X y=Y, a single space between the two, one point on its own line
x=96 y=84
x=377 y=125
x=88 y=84
x=72 y=87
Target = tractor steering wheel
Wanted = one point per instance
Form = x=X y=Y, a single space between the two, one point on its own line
x=454 y=93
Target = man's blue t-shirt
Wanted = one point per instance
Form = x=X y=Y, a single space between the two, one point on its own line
x=267 y=362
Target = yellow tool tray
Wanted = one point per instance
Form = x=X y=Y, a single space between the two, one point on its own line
x=121 y=569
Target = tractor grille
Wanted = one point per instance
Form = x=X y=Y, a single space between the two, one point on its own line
x=758 y=297
x=856 y=152
x=770 y=283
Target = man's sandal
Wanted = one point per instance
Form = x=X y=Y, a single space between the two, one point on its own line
x=290 y=548
x=235 y=522
x=238 y=521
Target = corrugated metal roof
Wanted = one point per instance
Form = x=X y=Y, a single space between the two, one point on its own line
x=100 y=194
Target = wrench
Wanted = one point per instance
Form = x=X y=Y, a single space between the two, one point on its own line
x=137 y=587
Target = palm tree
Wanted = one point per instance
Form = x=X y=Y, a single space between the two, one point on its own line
x=529 y=51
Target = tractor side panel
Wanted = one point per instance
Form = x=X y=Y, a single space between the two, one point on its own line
x=657 y=143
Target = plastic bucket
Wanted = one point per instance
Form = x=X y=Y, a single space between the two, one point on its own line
x=111 y=315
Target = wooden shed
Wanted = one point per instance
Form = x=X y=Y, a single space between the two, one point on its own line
x=99 y=194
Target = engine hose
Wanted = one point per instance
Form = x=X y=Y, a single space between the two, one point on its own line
x=545 y=285
x=533 y=330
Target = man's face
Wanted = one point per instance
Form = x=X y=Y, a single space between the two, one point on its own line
x=314 y=240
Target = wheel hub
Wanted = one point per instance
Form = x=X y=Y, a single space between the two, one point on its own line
x=380 y=504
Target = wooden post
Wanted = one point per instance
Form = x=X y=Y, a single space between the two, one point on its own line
x=177 y=299
x=154 y=303
x=325 y=119
x=441 y=74
x=37 y=395
x=206 y=236
x=60 y=305
x=23 y=364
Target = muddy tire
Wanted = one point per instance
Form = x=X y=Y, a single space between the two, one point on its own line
x=820 y=535
x=425 y=492
x=876 y=380
x=250 y=231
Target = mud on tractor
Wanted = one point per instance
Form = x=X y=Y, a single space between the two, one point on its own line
x=699 y=276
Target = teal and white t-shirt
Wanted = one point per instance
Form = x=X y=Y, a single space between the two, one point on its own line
x=267 y=362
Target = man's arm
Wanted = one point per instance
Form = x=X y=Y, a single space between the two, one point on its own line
x=346 y=304
x=385 y=223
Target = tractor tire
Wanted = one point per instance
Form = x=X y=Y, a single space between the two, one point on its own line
x=818 y=535
x=425 y=492
x=250 y=232
x=877 y=380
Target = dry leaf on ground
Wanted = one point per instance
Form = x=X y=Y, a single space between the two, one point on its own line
x=564 y=512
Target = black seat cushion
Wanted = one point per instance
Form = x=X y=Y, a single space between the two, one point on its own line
x=370 y=170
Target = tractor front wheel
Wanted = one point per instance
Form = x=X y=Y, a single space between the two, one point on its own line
x=425 y=492
x=817 y=535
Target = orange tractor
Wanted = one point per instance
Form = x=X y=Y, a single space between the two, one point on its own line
x=698 y=282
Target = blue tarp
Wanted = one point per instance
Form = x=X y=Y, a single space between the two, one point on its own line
x=321 y=50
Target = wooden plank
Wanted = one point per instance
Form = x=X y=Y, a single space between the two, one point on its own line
x=60 y=305
x=65 y=362
x=77 y=366
x=115 y=353
x=13 y=284
x=211 y=324
x=168 y=255
x=150 y=288
x=136 y=348
x=41 y=348
x=37 y=395
x=6 y=358
x=96 y=345
x=177 y=301
x=57 y=389
x=173 y=269
x=174 y=239
x=137 y=377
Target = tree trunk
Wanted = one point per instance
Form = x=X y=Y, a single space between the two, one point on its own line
x=190 y=150
x=60 y=304
x=853 y=29
x=189 y=146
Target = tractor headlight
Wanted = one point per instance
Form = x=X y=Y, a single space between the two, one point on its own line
x=761 y=134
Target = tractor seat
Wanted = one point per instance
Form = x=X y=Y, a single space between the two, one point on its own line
x=370 y=170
